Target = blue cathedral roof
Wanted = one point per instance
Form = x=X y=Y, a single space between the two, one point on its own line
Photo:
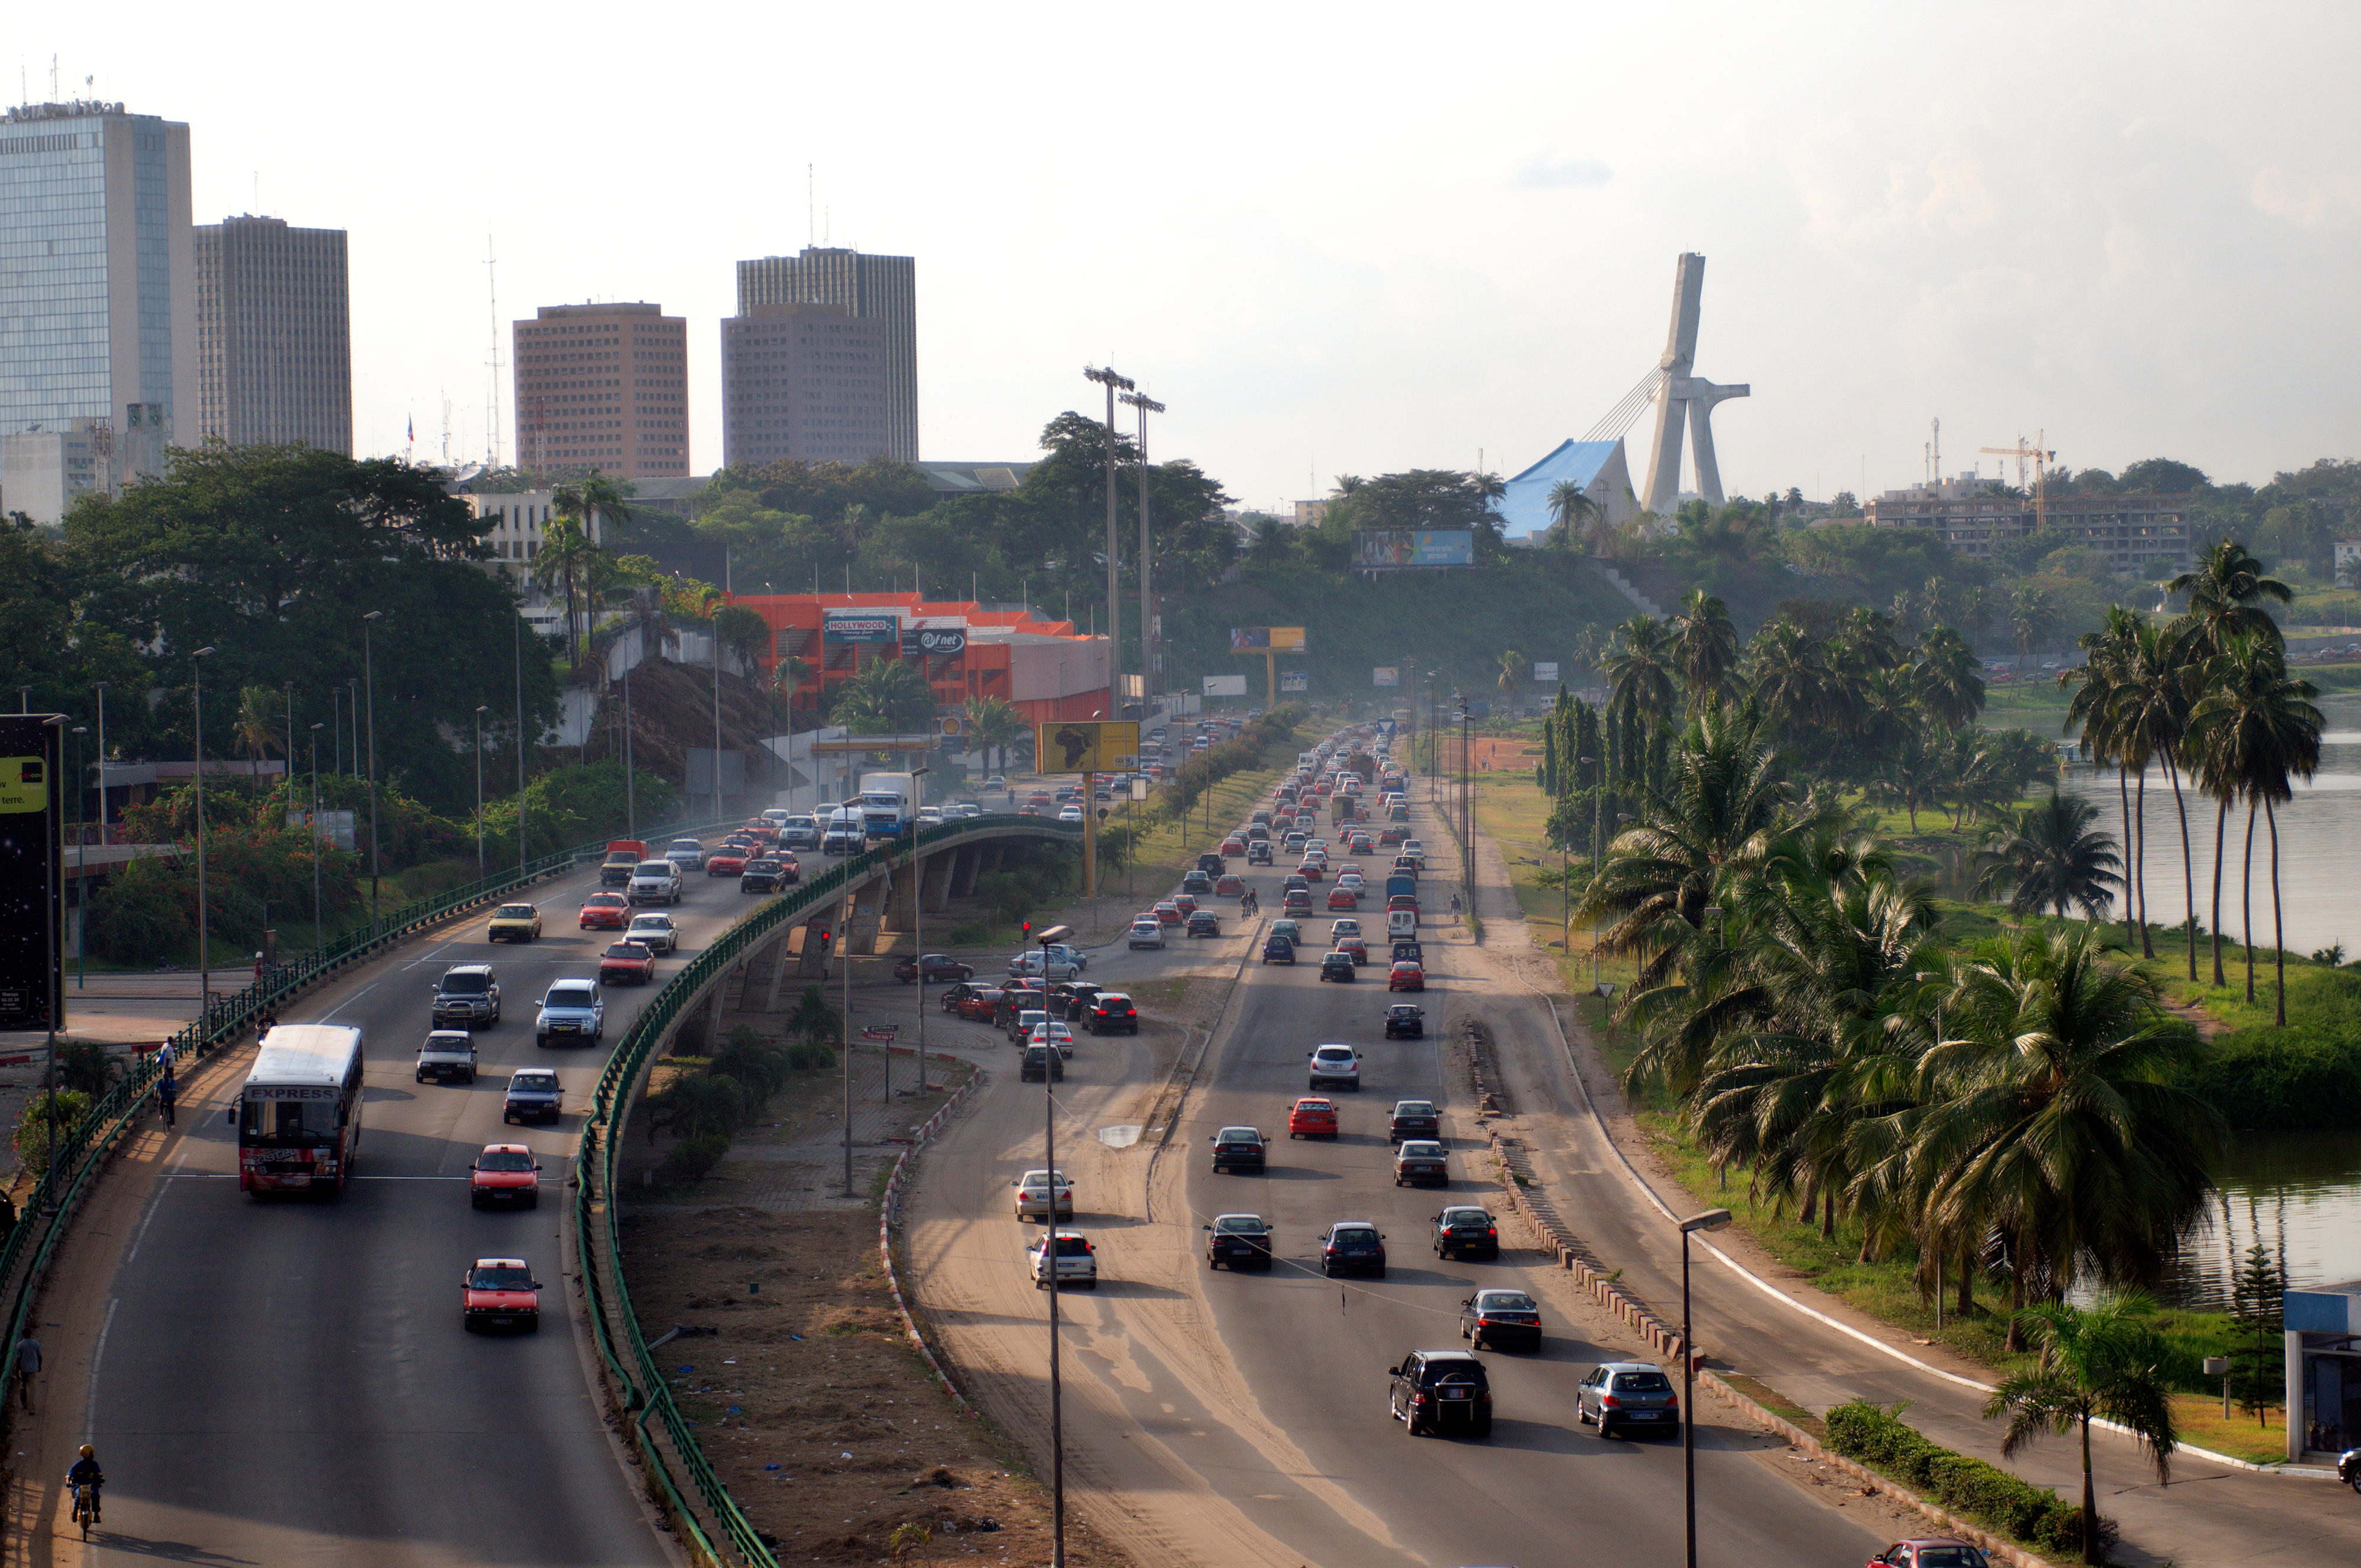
x=1524 y=508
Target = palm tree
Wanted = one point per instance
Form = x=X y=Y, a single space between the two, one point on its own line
x=2030 y=619
x=1788 y=676
x=2052 y=858
x=993 y=724
x=567 y=557
x=2226 y=596
x=889 y=697
x=2097 y=1363
x=1639 y=669
x=1513 y=669
x=2257 y=729
x=1272 y=542
x=789 y=678
x=2149 y=716
x=1945 y=680
x=1589 y=649
x=1704 y=647
x=813 y=1018
x=1569 y=505
x=2105 y=654
x=257 y=726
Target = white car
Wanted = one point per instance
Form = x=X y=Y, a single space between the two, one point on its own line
x=657 y=930
x=998 y=781
x=1414 y=850
x=1340 y=929
x=930 y=814
x=1077 y=1260
x=1148 y=933
x=1338 y=1065
x=1032 y=1196
x=1050 y=1032
x=1351 y=882
x=1055 y=961
x=687 y=855
x=1069 y=813
x=655 y=881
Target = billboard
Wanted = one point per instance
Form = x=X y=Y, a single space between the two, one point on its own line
x=1294 y=681
x=1545 y=672
x=336 y=826
x=1385 y=549
x=1086 y=746
x=1225 y=686
x=1386 y=676
x=936 y=641
x=841 y=626
x=1260 y=638
x=32 y=818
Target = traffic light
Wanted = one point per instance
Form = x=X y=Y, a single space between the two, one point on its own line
x=823 y=936
x=1028 y=930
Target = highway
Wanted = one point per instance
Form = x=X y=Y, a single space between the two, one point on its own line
x=1241 y=1418
x=287 y=1381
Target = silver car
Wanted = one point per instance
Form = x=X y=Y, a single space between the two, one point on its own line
x=655 y=931
x=1077 y=1261
x=1634 y=1395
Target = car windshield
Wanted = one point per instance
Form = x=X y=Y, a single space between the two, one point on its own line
x=1415 y=1108
x=686 y=844
x=652 y=923
x=570 y=996
x=1313 y=1106
x=1241 y=1224
x=1419 y=1148
x=499 y=1278
x=1334 y=1054
x=608 y=900
x=536 y=1082
x=1113 y=1003
x=761 y=865
x=505 y=1160
x=627 y=951
x=1504 y=1301
x=1641 y=1383
x=516 y=912
x=465 y=984
x=1354 y=1237
x=1466 y=1216
x=1239 y=1135
x=1073 y=1246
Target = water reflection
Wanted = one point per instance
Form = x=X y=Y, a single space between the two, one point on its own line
x=2298 y=1194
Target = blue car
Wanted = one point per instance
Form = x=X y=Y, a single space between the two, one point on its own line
x=1278 y=950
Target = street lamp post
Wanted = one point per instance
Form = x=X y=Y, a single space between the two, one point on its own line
x=319 y=938
x=631 y=799
x=368 y=671
x=481 y=709
x=1114 y=383
x=82 y=882
x=918 y=924
x=518 y=636
x=1148 y=675
x=204 y=968
x=1711 y=1219
x=52 y=995
x=102 y=763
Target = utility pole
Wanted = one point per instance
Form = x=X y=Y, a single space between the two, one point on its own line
x=1152 y=678
x=1114 y=383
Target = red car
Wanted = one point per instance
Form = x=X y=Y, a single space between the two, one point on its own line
x=1234 y=846
x=606 y=912
x=729 y=859
x=1168 y=913
x=1355 y=946
x=1229 y=885
x=499 y=1293
x=1311 y=1118
x=980 y=1005
x=1406 y=975
x=1312 y=871
x=504 y=1173
x=626 y=963
x=1402 y=901
x=1392 y=836
x=1343 y=898
x=1185 y=903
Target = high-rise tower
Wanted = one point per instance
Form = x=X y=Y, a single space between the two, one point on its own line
x=274 y=335
x=603 y=387
x=883 y=289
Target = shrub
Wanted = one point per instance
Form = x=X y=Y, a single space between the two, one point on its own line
x=85 y=1066
x=2302 y=1078
x=33 y=1127
x=693 y=1159
x=1989 y=1496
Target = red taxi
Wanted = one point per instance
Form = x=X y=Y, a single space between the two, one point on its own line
x=606 y=912
x=1186 y=903
x=1311 y=1118
x=1343 y=898
x=729 y=859
x=1313 y=870
x=1355 y=947
x=1229 y=885
x=504 y=1173
x=1234 y=846
x=627 y=963
x=499 y=1293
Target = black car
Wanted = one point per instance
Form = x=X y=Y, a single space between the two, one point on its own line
x=1040 y=1059
x=951 y=996
x=1405 y=1020
x=1462 y=1230
x=938 y=967
x=1236 y=1239
x=1441 y=1392
x=1070 y=999
x=1204 y=923
x=1198 y=884
x=1113 y=1012
x=1240 y=1148
x=1413 y=1119
x=763 y=876
x=1492 y=1320
x=1337 y=966
x=1353 y=1247
x=1278 y=950
x=1259 y=854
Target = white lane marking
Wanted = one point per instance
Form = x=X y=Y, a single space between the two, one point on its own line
x=348 y=1001
x=98 y=1354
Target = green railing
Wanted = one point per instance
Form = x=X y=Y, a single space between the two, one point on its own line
x=645 y=1390
x=79 y=1149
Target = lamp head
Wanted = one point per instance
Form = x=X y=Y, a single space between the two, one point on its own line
x=374 y=615
x=1711 y=1219
x=201 y=653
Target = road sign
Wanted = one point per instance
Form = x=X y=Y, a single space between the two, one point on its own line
x=1225 y=686
x=32 y=973
x=1086 y=746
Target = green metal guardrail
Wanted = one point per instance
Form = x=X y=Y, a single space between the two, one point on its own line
x=79 y=1149
x=645 y=1390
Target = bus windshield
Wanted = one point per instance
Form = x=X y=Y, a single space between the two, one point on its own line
x=287 y=1124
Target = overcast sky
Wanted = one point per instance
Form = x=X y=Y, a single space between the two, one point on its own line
x=1344 y=238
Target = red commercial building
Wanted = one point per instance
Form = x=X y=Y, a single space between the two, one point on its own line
x=1041 y=667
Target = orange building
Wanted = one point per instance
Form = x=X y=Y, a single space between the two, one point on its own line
x=1041 y=667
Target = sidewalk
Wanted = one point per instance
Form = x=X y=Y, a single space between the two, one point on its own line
x=2211 y=1514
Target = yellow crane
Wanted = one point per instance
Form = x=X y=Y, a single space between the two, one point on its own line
x=2038 y=452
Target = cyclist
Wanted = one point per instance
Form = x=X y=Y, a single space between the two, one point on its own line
x=86 y=1473
x=1454 y=907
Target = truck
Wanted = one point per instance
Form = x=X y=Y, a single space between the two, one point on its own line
x=889 y=804
x=623 y=858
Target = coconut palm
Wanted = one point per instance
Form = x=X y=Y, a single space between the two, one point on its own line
x=2031 y=618
x=993 y=724
x=1788 y=676
x=2149 y=718
x=889 y=697
x=1513 y=669
x=2096 y=680
x=2226 y=593
x=1272 y=542
x=1705 y=648
x=1640 y=671
x=579 y=562
x=1569 y=506
x=1945 y=681
x=2096 y=1363
x=2256 y=729
x=2052 y=858
x=258 y=727
x=789 y=678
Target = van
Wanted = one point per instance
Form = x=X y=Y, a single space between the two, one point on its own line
x=1401 y=924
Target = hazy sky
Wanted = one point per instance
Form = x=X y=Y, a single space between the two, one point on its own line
x=1345 y=238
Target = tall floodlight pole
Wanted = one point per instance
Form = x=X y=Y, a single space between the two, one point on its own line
x=519 y=636
x=1114 y=383
x=631 y=800
x=716 y=694
x=481 y=709
x=53 y=999
x=81 y=884
x=369 y=673
x=917 y=927
x=1152 y=678
x=336 y=723
x=102 y=763
x=197 y=706
x=319 y=938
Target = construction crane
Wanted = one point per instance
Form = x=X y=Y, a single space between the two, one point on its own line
x=2041 y=456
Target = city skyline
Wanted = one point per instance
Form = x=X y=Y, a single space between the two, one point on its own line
x=2124 y=238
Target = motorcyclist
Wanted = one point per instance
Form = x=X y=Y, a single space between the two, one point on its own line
x=86 y=1473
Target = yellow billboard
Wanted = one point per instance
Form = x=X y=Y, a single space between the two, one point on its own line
x=1265 y=639
x=1086 y=746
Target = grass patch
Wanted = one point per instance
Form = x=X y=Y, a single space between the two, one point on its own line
x=2198 y=1418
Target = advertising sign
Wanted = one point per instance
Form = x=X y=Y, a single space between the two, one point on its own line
x=938 y=641
x=1225 y=686
x=1294 y=681
x=1086 y=746
x=1388 y=549
x=1257 y=638
x=843 y=626
x=1545 y=672
x=32 y=977
x=1386 y=676
x=336 y=826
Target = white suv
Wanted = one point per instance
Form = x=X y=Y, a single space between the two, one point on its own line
x=655 y=881
x=1146 y=933
x=1077 y=1260
x=1335 y=1064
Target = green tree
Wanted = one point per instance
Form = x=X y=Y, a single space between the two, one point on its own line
x=2227 y=592
x=2052 y=858
x=1641 y=674
x=1945 y=681
x=258 y=727
x=2259 y=1331
x=1704 y=649
x=1570 y=506
x=816 y=1023
x=2149 y=718
x=887 y=698
x=1513 y=669
x=2099 y=1362
x=994 y=726
x=2032 y=617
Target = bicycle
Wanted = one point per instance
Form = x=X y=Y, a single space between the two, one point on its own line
x=85 y=1505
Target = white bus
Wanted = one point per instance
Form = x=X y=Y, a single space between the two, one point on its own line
x=299 y=1117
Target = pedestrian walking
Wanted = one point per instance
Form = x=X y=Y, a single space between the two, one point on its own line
x=29 y=1363
x=167 y=1094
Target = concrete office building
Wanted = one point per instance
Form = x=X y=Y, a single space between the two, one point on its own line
x=97 y=284
x=274 y=335
x=2140 y=536
x=603 y=387
x=805 y=382
x=883 y=289
x=42 y=472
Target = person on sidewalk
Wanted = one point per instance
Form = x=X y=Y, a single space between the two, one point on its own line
x=29 y=1365
x=167 y=1094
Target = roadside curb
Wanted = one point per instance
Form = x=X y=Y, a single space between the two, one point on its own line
x=1186 y=1066
x=889 y=1210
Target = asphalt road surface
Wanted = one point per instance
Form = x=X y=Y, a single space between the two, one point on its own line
x=286 y=1381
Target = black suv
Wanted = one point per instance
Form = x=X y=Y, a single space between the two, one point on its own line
x=1210 y=865
x=1413 y=1119
x=1441 y=1392
x=1240 y=1148
x=1466 y=1229
x=1237 y=1239
x=1040 y=1059
x=1111 y=1010
x=468 y=997
x=763 y=876
x=1406 y=1020
x=1070 y=999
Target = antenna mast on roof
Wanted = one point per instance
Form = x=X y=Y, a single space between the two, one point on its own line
x=811 y=207
x=492 y=384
